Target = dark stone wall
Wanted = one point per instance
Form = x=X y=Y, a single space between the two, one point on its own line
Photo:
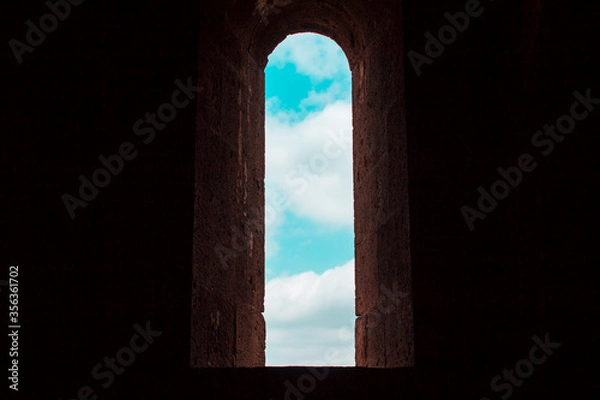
x=526 y=268
x=126 y=258
x=228 y=329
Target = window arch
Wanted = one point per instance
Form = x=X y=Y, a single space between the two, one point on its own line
x=227 y=326
x=309 y=224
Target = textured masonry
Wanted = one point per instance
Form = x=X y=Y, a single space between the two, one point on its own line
x=228 y=329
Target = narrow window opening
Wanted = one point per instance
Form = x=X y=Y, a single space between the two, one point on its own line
x=309 y=207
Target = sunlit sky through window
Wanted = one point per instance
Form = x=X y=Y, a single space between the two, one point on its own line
x=309 y=305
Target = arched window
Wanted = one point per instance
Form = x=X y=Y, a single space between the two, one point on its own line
x=227 y=324
x=309 y=253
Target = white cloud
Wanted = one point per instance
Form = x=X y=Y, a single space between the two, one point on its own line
x=314 y=55
x=320 y=99
x=310 y=318
x=310 y=165
x=274 y=219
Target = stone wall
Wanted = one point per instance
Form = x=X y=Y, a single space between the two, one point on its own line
x=478 y=296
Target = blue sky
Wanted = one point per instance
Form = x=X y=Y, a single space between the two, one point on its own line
x=309 y=305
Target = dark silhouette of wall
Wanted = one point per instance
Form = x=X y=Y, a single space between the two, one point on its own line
x=526 y=269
